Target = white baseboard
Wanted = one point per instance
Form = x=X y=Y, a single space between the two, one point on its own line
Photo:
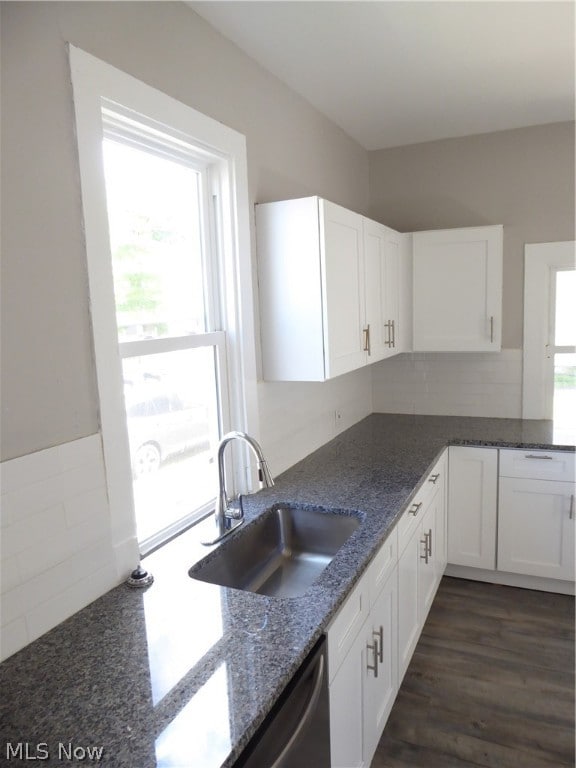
x=511 y=579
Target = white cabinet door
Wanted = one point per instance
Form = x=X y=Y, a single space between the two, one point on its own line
x=312 y=289
x=427 y=581
x=457 y=290
x=383 y=252
x=341 y=238
x=472 y=500
x=381 y=667
x=346 y=708
x=536 y=527
x=408 y=613
x=333 y=288
x=290 y=290
x=375 y=288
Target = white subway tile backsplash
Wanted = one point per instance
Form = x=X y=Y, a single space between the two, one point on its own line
x=26 y=532
x=55 y=610
x=298 y=417
x=62 y=548
x=9 y=571
x=14 y=637
x=450 y=384
x=80 y=452
x=34 y=497
x=87 y=506
x=17 y=473
x=57 y=552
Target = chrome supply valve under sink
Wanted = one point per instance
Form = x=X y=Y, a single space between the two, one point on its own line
x=281 y=553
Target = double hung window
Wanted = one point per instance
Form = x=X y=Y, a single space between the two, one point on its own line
x=164 y=191
x=162 y=202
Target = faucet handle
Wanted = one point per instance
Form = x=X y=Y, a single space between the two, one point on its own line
x=264 y=475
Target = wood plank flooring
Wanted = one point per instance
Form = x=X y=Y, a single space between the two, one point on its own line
x=491 y=683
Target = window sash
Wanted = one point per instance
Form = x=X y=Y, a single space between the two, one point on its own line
x=171 y=344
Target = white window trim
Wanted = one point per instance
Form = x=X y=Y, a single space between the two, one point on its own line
x=541 y=260
x=95 y=82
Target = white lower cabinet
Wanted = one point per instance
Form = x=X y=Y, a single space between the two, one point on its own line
x=347 y=708
x=371 y=639
x=536 y=528
x=364 y=687
x=362 y=662
x=420 y=569
x=511 y=517
x=408 y=613
x=472 y=506
x=380 y=666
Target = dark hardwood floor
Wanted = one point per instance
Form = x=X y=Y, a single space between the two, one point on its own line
x=491 y=683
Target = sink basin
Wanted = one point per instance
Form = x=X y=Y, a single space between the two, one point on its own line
x=281 y=554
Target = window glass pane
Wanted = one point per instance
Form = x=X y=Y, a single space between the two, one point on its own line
x=155 y=232
x=171 y=407
x=565 y=320
x=565 y=395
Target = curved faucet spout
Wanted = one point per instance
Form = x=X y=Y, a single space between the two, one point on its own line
x=226 y=516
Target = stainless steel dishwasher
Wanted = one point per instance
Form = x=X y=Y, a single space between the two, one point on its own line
x=296 y=733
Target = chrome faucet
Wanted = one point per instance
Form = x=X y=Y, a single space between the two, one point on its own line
x=227 y=516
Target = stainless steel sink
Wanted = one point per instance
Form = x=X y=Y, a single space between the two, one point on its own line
x=281 y=554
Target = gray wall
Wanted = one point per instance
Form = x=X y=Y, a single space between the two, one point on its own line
x=523 y=179
x=48 y=380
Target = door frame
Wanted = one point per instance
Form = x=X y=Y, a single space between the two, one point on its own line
x=540 y=262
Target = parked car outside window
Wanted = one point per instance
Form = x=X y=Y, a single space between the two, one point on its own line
x=161 y=425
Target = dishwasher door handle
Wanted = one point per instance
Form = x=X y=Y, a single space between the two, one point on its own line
x=306 y=715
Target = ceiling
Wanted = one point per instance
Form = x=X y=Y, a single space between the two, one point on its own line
x=394 y=73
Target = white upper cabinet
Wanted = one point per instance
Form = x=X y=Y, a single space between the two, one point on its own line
x=383 y=255
x=329 y=282
x=457 y=290
x=342 y=270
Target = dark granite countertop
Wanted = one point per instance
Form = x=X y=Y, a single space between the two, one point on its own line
x=182 y=674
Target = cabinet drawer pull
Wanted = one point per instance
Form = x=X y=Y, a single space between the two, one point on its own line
x=426 y=554
x=367 y=339
x=572 y=506
x=535 y=456
x=374 y=649
x=491 y=329
x=415 y=508
x=430 y=542
x=434 y=478
x=388 y=342
x=380 y=643
x=393 y=333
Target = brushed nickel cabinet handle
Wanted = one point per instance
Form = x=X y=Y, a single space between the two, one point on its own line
x=425 y=542
x=491 y=329
x=388 y=342
x=536 y=456
x=379 y=635
x=415 y=508
x=572 y=507
x=434 y=478
x=366 y=333
x=430 y=542
x=393 y=333
x=374 y=649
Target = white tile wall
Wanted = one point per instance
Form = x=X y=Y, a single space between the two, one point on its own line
x=450 y=384
x=56 y=550
x=297 y=418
